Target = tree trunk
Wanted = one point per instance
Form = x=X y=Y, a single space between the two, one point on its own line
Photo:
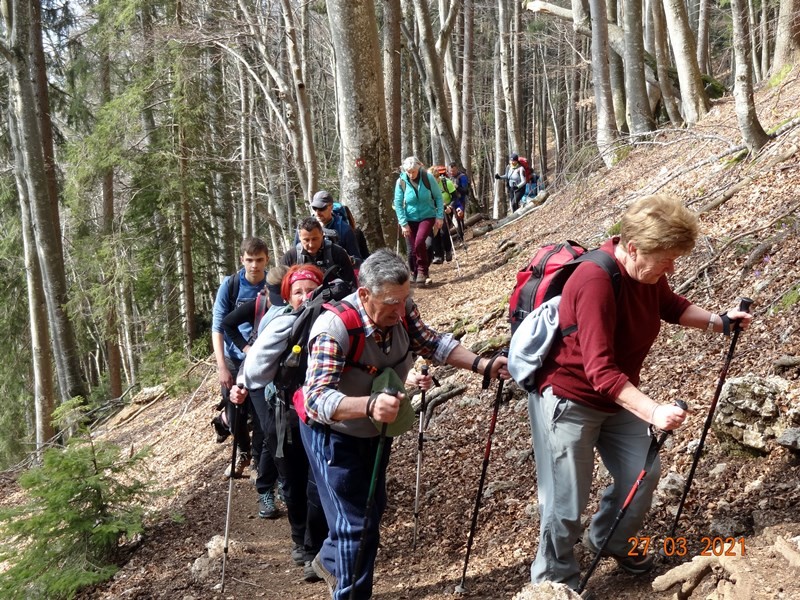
x=616 y=73
x=752 y=132
x=662 y=60
x=787 y=35
x=45 y=219
x=606 y=124
x=43 y=385
x=392 y=15
x=366 y=172
x=508 y=73
x=639 y=115
x=309 y=154
x=703 y=62
x=111 y=336
x=693 y=96
x=434 y=82
x=467 y=78
x=499 y=140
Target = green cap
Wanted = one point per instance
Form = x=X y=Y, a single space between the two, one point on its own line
x=388 y=379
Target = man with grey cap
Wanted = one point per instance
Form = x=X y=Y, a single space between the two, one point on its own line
x=322 y=207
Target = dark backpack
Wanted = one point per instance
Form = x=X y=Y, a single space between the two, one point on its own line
x=292 y=370
x=544 y=277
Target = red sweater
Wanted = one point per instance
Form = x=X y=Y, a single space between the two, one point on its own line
x=613 y=337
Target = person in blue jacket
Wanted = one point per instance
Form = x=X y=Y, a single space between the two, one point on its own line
x=234 y=290
x=420 y=212
x=322 y=207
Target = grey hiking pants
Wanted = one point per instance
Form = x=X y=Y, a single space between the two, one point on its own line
x=565 y=435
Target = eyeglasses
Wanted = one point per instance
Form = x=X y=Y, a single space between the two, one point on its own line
x=323 y=209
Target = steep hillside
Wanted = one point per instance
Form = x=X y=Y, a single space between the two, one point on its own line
x=749 y=247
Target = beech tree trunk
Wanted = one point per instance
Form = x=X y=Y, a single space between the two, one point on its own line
x=752 y=132
x=44 y=395
x=606 y=123
x=693 y=96
x=467 y=80
x=366 y=172
x=508 y=73
x=787 y=35
x=392 y=15
x=639 y=116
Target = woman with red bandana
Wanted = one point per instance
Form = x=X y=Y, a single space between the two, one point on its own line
x=281 y=426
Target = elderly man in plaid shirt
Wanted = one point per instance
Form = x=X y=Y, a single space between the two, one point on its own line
x=340 y=438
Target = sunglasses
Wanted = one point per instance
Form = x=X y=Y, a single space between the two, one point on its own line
x=323 y=209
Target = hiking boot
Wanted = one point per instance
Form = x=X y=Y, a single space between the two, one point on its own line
x=636 y=564
x=242 y=462
x=437 y=260
x=299 y=555
x=428 y=280
x=448 y=256
x=309 y=574
x=266 y=506
x=324 y=574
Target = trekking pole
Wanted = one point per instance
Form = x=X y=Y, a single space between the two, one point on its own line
x=453 y=250
x=230 y=491
x=419 y=460
x=655 y=446
x=744 y=306
x=460 y=588
x=373 y=483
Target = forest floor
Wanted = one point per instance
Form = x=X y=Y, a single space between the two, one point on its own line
x=759 y=496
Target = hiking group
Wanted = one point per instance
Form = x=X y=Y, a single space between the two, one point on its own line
x=322 y=361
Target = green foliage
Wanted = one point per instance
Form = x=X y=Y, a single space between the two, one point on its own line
x=84 y=501
x=615 y=229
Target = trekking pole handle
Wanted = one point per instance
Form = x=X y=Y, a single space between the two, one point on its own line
x=744 y=304
x=681 y=404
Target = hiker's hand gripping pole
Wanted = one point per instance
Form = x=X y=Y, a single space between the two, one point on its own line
x=744 y=306
x=652 y=453
x=424 y=371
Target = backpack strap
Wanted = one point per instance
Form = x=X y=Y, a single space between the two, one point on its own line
x=260 y=309
x=603 y=260
x=355 y=333
x=233 y=290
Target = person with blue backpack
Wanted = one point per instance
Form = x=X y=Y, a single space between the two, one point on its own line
x=323 y=207
x=420 y=212
x=585 y=397
x=234 y=290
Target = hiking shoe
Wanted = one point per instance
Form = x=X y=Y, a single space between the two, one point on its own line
x=448 y=256
x=636 y=563
x=266 y=506
x=299 y=555
x=309 y=574
x=428 y=280
x=324 y=574
x=242 y=462
x=437 y=260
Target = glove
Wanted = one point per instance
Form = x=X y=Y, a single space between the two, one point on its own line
x=496 y=176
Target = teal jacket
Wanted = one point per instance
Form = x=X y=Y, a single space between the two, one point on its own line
x=412 y=203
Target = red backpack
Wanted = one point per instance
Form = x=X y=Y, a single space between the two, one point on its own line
x=544 y=276
x=526 y=167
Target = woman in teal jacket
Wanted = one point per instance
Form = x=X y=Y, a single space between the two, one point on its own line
x=420 y=212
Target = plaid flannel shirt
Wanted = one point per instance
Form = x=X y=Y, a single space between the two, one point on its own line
x=327 y=359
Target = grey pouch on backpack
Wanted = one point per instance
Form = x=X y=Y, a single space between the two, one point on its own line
x=531 y=342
